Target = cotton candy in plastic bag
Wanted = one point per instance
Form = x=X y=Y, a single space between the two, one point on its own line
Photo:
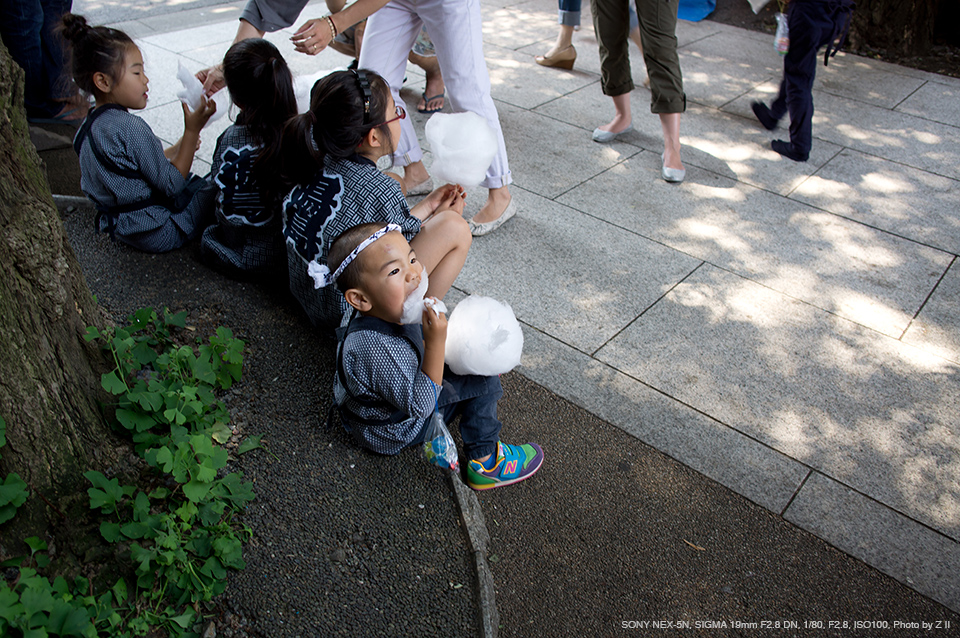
x=483 y=337
x=438 y=446
x=463 y=146
x=193 y=89
x=781 y=41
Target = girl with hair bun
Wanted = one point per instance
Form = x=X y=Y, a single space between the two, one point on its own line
x=247 y=238
x=145 y=197
x=327 y=161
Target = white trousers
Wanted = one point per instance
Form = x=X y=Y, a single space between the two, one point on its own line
x=455 y=28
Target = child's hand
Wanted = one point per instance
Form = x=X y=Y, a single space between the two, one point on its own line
x=455 y=200
x=434 y=328
x=445 y=197
x=196 y=120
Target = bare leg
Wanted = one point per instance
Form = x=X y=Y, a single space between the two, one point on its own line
x=415 y=174
x=442 y=245
x=622 y=116
x=564 y=39
x=670 y=123
x=497 y=201
x=434 y=85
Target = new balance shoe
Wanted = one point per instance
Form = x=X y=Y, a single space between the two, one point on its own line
x=514 y=463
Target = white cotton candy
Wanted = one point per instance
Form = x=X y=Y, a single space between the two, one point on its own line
x=303 y=84
x=192 y=87
x=193 y=90
x=483 y=337
x=463 y=145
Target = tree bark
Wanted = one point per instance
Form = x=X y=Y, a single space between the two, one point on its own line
x=49 y=377
x=901 y=27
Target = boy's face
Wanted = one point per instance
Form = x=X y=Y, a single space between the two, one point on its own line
x=390 y=272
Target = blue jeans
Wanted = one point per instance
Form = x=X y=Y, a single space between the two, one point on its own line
x=569 y=14
x=27 y=28
x=474 y=399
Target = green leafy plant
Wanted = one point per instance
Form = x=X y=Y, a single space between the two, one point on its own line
x=13 y=489
x=180 y=531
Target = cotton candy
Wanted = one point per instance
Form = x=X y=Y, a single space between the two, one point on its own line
x=463 y=145
x=417 y=300
x=483 y=337
x=193 y=89
x=303 y=84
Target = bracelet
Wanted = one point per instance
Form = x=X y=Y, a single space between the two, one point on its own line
x=333 y=27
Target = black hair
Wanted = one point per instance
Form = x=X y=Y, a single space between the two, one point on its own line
x=261 y=85
x=93 y=50
x=343 y=245
x=344 y=107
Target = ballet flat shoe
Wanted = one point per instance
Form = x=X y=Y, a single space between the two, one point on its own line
x=479 y=230
x=563 y=59
x=423 y=188
x=672 y=175
x=608 y=136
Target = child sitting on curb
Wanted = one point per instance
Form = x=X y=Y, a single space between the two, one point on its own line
x=390 y=376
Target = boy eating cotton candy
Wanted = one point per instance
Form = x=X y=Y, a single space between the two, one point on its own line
x=390 y=373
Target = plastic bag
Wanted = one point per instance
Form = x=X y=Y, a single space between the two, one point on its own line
x=438 y=446
x=781 y=41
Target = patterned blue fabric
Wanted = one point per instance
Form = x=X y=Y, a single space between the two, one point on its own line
x=140 y=171
x=247 y=237
x=347 y=192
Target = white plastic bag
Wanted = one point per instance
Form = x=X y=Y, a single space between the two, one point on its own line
x=782 y=40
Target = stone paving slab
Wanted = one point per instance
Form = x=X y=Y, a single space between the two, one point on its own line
x=868 y=276
x=910 y=140
x=862 y=408
x=910 y=552
x=552 y=156
x=567 y=288
x=934 y=101
x=937 y=327
x=898 y=199
x=745 y=465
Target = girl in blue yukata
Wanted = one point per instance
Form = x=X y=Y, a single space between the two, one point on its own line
x=247 y=238
x=327 y=162
x=146 y=197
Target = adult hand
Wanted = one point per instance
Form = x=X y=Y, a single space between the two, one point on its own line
x=313 y=37
x=212 y=79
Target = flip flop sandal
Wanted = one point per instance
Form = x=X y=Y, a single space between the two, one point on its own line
x=426 y=102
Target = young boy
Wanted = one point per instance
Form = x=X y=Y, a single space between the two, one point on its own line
x=813 y=23
x=390 y=376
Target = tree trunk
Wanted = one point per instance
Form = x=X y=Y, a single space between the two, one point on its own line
x=49 y=377
x=901 y=27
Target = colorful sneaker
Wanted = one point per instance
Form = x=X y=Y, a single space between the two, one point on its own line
x=514 y=464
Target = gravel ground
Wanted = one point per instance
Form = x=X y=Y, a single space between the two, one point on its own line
x=344 y=542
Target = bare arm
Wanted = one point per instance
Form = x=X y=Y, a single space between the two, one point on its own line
x=434 y=343
x=212 y=77
x=193 y=122
x=314 y=35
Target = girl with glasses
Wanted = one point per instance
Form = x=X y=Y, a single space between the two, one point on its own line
x=327 y=160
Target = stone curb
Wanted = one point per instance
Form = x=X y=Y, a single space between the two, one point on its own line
x=477 y=540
